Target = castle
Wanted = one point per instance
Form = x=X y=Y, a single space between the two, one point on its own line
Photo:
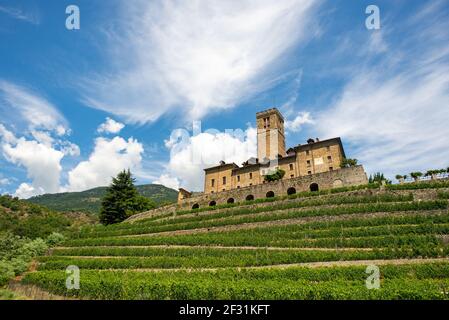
x=313 y=166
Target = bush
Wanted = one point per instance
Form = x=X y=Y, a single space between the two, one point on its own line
x=55 y=239
x=34 y=248
x=6 y=272
x=277 y=175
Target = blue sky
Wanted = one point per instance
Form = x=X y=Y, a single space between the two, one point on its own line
x=76 y=106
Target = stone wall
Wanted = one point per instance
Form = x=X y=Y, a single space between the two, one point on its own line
x=326 y=180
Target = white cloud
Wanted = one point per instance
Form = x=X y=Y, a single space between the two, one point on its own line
x=38 y=144
x=25 y=191
x=20 y=15
x=41 y=161
x=108 y=158
x=297 y=123
x=395 y=114
x=168 y=181
x=110 y=126
x=195 y=57
x=188 y=157
x=4 y=182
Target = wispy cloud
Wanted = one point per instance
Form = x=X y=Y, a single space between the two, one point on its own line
x=20 y=15
x=197 y=56
x=394 y=113
x=22 y=105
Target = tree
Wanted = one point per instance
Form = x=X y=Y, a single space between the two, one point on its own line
x=416 y=175
x=378 y=178
x=400 y=178
x=122 y=200
x=346 y=163
x=432 y=173
x=277 y=175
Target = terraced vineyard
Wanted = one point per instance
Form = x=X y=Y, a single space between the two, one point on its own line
x=310 y=246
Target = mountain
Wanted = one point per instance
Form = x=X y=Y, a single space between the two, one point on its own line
x=90 y=200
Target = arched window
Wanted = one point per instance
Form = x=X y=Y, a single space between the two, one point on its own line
x=212 y=204
x=291 y=191
x=195 y=206
x=314 y=187
x=231 y=200
x=270 y=194
x=249 y=197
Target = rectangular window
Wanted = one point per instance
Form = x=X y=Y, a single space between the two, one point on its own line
x=291 y=167
x=250 y=175
x=331 y=168
x=212 y=183
x=329 y=159
x=292 y=176
x=308 y=163
x=310 y=172
x=224 y=180
x=238 y=178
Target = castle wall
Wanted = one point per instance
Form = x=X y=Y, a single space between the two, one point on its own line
x=326 y=180
x=314 y=158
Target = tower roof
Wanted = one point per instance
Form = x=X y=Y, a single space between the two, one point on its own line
x=267 y=112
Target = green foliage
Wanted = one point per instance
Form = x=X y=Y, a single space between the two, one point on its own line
x=425 y=281
x=433 y=173
x=55 y=239
x=326 y=226
x=416 y=175
x=248 y=217
x=275 y=176
x=16 y=253
x=419 y=185
x=122 y=200
x=89 y=201
x=6 y=272
x=30 y=220
x=379 y=178
x=346 y=162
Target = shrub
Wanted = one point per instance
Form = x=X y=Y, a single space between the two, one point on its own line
x=54 y=239
x=6 y=272
x=346 y=163
x=277 y=175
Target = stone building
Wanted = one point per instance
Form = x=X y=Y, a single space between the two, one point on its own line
x=303 y=164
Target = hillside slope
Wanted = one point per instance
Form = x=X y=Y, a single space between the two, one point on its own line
x=305 y=246
x=90 y=200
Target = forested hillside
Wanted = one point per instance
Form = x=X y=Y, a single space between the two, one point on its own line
x=90 y=200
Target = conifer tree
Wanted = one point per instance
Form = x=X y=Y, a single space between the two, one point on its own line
x=122 y=200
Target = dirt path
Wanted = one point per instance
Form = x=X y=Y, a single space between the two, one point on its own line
x=302 y=220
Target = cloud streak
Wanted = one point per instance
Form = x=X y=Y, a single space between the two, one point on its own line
x=394 y=114
x=20 y=15
x=198 y=56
